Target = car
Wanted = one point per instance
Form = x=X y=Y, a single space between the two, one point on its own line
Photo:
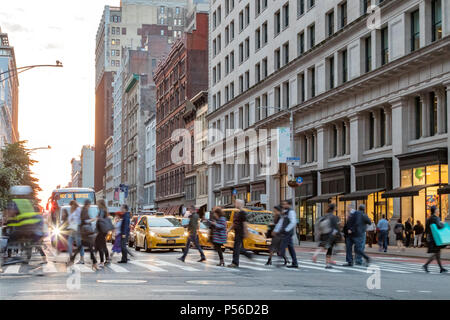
x=258 y=221
x=159 y=232
x=203 y=233
x=133 y=222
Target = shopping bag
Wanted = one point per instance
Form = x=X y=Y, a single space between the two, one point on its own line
x=441 y=236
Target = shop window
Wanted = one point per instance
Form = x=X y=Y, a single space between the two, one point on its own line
x=432 y=174
x=419 y=176
x=406 y=178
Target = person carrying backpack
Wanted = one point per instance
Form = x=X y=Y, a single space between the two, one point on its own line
x=328 y=228
x=398 y=230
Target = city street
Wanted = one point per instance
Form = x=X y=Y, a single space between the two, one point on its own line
x=159 y=275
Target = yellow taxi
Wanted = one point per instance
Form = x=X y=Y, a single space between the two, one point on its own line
x=203 y=233
x=159 y=232
x=258 y=221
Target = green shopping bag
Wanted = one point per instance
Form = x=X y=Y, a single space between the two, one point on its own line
x=441 y=236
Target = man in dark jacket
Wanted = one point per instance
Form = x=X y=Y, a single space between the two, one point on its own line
x=408 y=232
x=193 y=226
x=125 y=233
x=357 y=225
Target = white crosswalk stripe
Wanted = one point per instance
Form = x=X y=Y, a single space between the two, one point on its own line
x=148 y=266
x=116 y=268
x=182 y=267
x=14 y=269
x=50 y=267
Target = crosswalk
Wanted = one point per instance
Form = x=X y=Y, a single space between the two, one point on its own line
x=166 y=263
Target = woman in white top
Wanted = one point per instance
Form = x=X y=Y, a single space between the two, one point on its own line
x=371 y=234
x=74 y=222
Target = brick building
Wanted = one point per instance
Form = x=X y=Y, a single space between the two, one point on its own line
x=178 y=78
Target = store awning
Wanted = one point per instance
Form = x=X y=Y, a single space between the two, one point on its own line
x=406 y=191
x=359 y=195
x=324 y=197
x=444 y=190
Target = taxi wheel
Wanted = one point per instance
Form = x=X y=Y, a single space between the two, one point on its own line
x=146 y=248
x=171 y=250
x=136 y=246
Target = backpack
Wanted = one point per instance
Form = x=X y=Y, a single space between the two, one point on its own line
x=324 y=225
x=398 y=229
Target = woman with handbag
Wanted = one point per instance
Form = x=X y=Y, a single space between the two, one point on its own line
x=219 y=233
x=88 y=235
x=73 y=229
x=104 y=225
x=432 y=247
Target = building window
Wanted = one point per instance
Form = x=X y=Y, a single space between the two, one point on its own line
x=364 y=6
x=264 y=33
x=247 y=48
x=436 y=20
x=286 y=15
x=312 y=36
x=257 y=39
x=383 y=125
x=247 y=80
x=231 y=30
x=277 y=99
x=301 y=43
x=330 y=23
x=312 y=75
x=300 y=7
x=311 y=4
x=286 y=53
x=286 y=94
x=433 y=114
x=301 y=88
x=232 y=61
x=277 y=23
x=257 y=72
x=384 y=46
x=227 y=65
x=241 y=84
x=331 y=72
x=241 y=21
x=343 y=14
x=247 y=15
x=368 y=53
x=264 y=68
x=277 y=59
x=241 y=52
x=257 y=109
x=415 y=31
x=335 y=141
x=264 y=105
x=257 y=7
x=371 y=130
x=344 y=66
x=344 y=139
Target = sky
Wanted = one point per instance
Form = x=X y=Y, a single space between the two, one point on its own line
x=56 y=105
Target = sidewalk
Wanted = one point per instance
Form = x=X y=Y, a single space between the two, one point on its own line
x=392 y=251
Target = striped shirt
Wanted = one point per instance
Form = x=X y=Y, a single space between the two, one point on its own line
x=220 y=231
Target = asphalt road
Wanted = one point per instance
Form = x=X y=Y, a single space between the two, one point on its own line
x=159 y=275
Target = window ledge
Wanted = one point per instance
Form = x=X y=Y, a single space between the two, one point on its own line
x=437 y=137
x=377 y=150
x=339 y=158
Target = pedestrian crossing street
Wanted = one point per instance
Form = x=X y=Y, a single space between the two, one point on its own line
x=166 y=263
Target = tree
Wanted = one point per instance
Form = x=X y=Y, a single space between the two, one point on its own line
x=15 y=170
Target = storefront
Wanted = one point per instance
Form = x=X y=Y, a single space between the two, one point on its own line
x=227 y=197
x=422 y=175
x=372 y=179
x=334 y=183
x=243 y=193
x=306 y=211
x=256 y=190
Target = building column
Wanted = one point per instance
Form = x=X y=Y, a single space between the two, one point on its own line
x=377 y=126
x=356 y=144
x=440 y=96
x=447 y=89
x=308 y=148
x=388 y=126
x=425 y=114
x=339 y=132
x=399 y=146
x=322 y=159
x=347 y=137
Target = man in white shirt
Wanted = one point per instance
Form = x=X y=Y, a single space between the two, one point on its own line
x=286 y=227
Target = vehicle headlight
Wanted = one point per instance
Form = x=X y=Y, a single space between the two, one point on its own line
x=253 y=231
x=186 y=233
x=56 y=232
x=152 y=234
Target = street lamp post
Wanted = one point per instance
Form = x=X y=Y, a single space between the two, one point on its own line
x=40 y=148
x=26 y=68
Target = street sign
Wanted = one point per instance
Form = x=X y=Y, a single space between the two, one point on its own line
x=293 y=161
x=299 y=180
x=234 y=192
x=263 y=198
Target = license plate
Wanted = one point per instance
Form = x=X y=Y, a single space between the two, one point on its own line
x=171 y=241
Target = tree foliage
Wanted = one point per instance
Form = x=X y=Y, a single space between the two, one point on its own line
x=15 y=169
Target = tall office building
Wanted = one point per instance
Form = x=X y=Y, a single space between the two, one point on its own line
x=120 y=28
x=9 y=93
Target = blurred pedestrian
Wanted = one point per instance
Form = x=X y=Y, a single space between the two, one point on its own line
x=434 y=249
x=348 y=241
x=73 y=229
x=286 y=228
x=408 y=232
x=193 y=227
x=328 y=227
x=357 y=225
x=102 y=225
x=219 y=232
x=371 y=234
x=240 y=233
x=124 y=233
x=88 y=235
x=398 y=230
x=418 y=233
x=117 y=247
x=383 y=228
x=276 y=239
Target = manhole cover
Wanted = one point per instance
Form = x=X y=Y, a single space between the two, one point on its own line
x=210 y=282
x=122 y=281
